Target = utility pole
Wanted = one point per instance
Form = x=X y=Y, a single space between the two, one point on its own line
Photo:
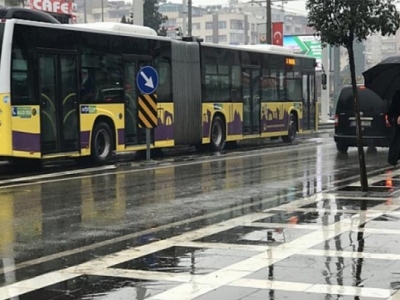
x=137 y=7
x=336 y=73
x=269 y=23
x=325 y=94
x=268 y=19
x=184 y=15
x=84 y=12
x=189 y=18
x=102 y=10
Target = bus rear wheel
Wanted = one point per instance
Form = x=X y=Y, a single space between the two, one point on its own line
x=292 y=129
x=217 y=134
x=101 y=144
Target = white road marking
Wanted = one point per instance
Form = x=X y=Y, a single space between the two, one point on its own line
x=311 y=288
x=58 y=174
x=231 y=275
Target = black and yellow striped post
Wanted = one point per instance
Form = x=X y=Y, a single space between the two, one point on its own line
x=147 y=115
x=147 y=111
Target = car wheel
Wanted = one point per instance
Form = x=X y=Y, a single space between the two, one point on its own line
x=342 y=148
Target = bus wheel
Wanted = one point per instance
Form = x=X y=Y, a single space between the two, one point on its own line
x=101 y=144
x=291 y=130
x=217 y=134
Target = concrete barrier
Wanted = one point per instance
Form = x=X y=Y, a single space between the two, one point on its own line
x=324 y=126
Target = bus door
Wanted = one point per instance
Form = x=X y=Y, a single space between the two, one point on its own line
x=251 y=100
x=308 y=101
x=58 y=87
x=134 y=135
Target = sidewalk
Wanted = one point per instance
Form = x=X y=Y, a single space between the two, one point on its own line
x=336 y=243
x=331 y=245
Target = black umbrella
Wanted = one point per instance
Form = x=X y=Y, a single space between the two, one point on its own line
x=384 y=78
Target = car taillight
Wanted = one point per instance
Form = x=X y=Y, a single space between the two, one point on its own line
x=336 y=120
x=387 y=123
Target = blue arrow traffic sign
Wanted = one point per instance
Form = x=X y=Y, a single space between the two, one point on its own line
x=147 y=80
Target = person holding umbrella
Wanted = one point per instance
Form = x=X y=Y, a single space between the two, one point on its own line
x=394 y=120
x=384 y=80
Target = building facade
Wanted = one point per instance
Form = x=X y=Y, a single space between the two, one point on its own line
x=236 y=24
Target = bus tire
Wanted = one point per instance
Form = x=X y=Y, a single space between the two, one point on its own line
x=101 y=144
x=292 y=130
x=217 y=134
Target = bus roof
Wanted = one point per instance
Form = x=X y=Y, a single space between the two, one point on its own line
x=118 y=27
x=108 y=28
x=142 y=31
x=268 y=49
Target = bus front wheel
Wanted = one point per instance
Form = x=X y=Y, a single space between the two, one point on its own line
x=217 y=134
x=292 y=129
x=101 y=144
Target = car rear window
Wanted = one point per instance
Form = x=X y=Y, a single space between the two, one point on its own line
x=369 y=101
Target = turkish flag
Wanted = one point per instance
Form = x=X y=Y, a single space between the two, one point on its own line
x=277 y=33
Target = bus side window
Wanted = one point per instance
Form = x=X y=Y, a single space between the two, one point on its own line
x=87 y=87
x=20 y=83
x=102 y=78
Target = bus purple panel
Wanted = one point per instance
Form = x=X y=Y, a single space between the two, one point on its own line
x=23 y=141
x=85 y=139
x=121 y=136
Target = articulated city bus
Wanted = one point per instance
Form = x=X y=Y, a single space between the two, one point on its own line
x=70 y=90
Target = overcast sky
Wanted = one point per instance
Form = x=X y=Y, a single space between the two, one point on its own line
x=295 y=6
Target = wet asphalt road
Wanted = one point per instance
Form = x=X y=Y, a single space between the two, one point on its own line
x=46 y=226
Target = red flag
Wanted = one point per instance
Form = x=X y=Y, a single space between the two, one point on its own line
x=277 y=33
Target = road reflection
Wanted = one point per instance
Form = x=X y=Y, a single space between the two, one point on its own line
x=46 y=219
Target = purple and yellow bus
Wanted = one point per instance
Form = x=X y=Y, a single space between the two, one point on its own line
x=69 y=90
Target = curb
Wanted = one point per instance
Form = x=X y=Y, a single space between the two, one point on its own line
x=213 y=157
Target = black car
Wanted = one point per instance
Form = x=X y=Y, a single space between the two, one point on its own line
x=376 y=130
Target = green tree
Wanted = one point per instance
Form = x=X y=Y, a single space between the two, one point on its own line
x=152 y=17
x=340 y=23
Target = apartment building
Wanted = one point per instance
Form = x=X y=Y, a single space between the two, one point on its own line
x=90 y=11
x=14 y=3
x=236 y=24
